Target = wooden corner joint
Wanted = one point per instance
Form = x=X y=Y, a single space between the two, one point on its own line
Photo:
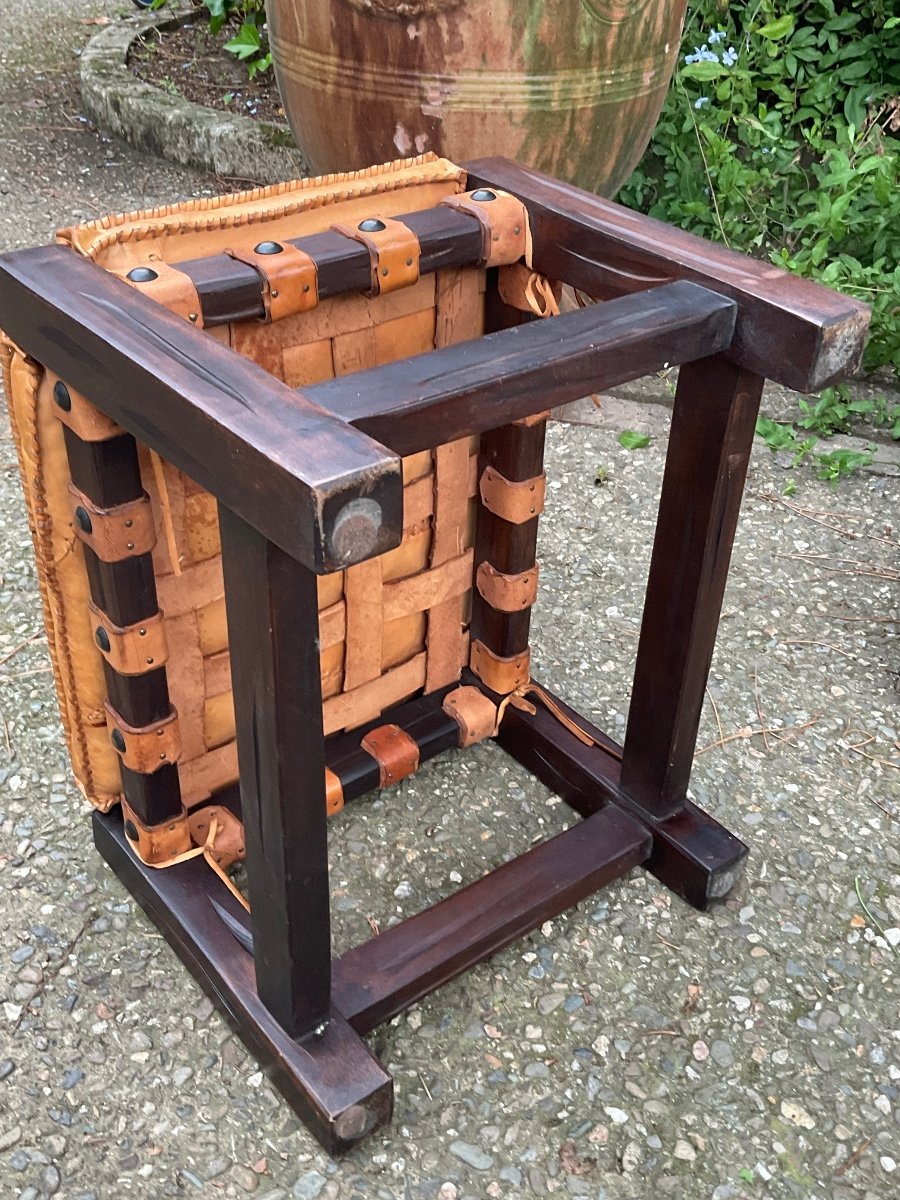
x=396 y=753
x=393 y=251
x=113 y=534
x=289 y=276
x=507 y=593
x=130 y=649
x=473 y=712
x=78 y=414
x=168 y=286
x=516 y=502
x=501 y=675
x=146 y=749
x=503 y=220
x=157 y=844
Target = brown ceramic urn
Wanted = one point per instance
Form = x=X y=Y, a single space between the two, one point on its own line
x=573 y=87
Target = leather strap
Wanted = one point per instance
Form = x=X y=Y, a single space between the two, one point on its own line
x=289 y=278
x=507 y=593
x=334 y=793
x=131 y=649
x=156 y=844
x=116 y=533
x=228 y=845
x=393 y=252
x=147 y=749
x=473 y=712
x=514 y=502
x=170 y=287
x=521 y=287
x=79 y=415
x=501 y=675
x=396 y=753
x=503 y=220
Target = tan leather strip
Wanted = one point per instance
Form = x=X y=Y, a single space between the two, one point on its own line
x=228 y=845
x=356 y=707
x=334 y=793
x=514 y=502
x=473 y=712
x=147 y=749
x=522 y=288
x=171 y=288
x=82 y=417
x=504 y=224
x=203 y=777
x=170 y=490
x=501 y=675
x=157 y=843
x=133 y=649
x=507 y=593
x=198 y=586
x=116 y=533
x=393 y=251
x=451 y=509
x=396 y=753
x=332 y=624
x=289 y=278
x=365 y=623
x=416 y=593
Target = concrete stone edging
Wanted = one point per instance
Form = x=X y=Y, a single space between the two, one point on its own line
x=170 y=126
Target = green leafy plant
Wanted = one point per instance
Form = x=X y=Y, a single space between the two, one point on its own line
x=781 y=137
x=251 y=41
x=633 y=441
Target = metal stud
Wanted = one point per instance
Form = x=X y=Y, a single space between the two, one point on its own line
x=142 y=275
x=83 y=518
x=484 y=194
x=118 y=740
x=371 y=225
x=101 y=637
x=61 y=396
x=268 y=248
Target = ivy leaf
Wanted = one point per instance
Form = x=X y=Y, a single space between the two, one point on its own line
x=703 y=71
x=634 y=441
x=246 y=42
x=776 y=31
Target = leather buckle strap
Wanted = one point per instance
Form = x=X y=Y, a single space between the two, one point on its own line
x=507 y=593
x=516 y=502
x=131 y=649
x=289 y=277
x=116 y=533
x=393 y=251
x=78 y=414
x=503 y=220
x=501 y=675
x=168 y=286
x=148 y=748
x=396 y=753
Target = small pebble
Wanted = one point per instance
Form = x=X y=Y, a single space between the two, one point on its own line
x=473 y=1156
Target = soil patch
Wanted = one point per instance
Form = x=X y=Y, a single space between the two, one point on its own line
x=188 y=61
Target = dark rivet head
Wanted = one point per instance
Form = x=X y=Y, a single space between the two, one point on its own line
x=61 y=396
x=305 y=287
x=268 y=248
x=142 y=275
x=409 y=262
x=82 y=516
x=130 y=546
x=101 y=637
x=129 y=523
x=484 y=194
x=130 y=831
x=371 y=225
x=385 y=271
x=150 y=662
x=117 y=740
x=193 y=317
x=142 y=632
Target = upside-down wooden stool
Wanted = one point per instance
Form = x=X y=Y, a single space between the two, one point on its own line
x=319 y=408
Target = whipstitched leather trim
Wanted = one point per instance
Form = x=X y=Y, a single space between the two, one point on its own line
x=113 y=534
x=396 y=753
x=130 y=649
x=473 y=712
x=507 y=593
x=78 y=414
x=156 y=844
x=290 y=278
x=516 y=502
x=147 y=749
x=503 y=220
x=228 y=846
x=393 y=252
x=501 y=675
x=334 y=793
x=171 y=288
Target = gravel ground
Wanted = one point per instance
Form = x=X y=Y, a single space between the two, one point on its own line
x=632 y=1048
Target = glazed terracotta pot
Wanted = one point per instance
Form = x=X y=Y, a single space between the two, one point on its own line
x=573 y=87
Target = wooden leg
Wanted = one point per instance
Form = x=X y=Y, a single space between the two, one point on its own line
x=709 y=447
x=273 y=631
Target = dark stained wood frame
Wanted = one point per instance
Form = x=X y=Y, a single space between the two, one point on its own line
x=311 y=482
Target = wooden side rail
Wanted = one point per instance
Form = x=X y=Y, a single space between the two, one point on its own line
x=796 y=332
x=325 y=493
